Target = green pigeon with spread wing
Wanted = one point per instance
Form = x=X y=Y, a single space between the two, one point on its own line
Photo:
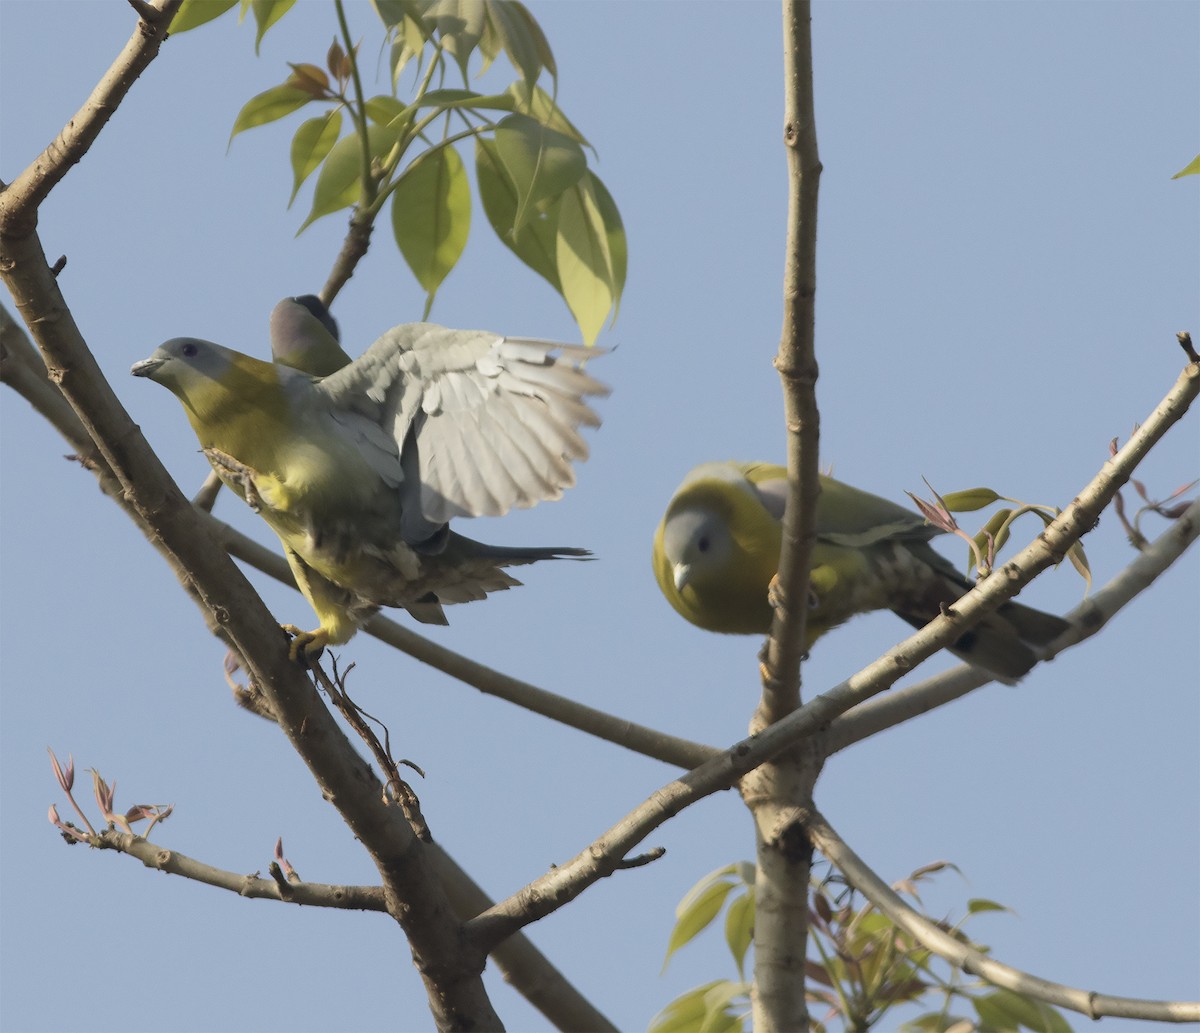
x=360 y=471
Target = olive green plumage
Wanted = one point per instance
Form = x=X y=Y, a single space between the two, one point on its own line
x=717 y=549
x=360 y=472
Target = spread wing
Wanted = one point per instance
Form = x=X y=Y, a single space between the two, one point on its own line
x=483 y=423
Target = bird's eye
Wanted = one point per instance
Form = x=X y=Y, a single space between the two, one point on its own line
x=189 y=350
x=702 y=544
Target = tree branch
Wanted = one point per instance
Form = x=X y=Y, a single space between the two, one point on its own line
x=783 y=858
x=879 y=893
x=311 y=894
x=1086 y=620
x=450 y=970
x=23 y=196
x=22 y=370
x=797 y=366
x=603 y=856
x=523 y=965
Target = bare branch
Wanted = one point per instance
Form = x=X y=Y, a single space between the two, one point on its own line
x=1087 y=1002
x=784 y=860
x=311 y=894
x=797 y=367
x=19 y=202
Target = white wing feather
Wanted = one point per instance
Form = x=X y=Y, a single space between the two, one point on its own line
x=484 y=423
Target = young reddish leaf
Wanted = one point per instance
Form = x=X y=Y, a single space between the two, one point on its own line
x=309 y=78
x=334 y=58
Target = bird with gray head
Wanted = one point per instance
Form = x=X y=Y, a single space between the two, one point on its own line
x=360 y=472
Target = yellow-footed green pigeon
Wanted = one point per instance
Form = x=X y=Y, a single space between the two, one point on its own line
x=717 y=549
x=359 y=472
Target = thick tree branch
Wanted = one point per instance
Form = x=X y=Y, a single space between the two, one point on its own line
x=23 y=196
x=22 y=369
x=603 y=856
x=452 y=974
x=1087 y=1002
x=797 y=365
x=523 y=965
x=783 y=858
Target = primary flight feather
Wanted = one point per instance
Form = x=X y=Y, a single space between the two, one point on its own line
x=717 y=549
x=360 y=471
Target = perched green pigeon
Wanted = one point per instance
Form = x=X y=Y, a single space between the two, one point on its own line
x=717 y=550
x=360 y=472
x=305 y=336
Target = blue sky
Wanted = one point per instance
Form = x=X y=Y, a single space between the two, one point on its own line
x=1003 y=263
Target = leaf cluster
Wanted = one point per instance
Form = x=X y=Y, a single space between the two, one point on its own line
x=531 y=163
x=861 y=964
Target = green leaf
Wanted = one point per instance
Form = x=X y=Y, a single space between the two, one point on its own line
x=685 y=1013
x=995 y=531
x=467 y=99
x=1192 y=168
x=969 y=500
x=1079 y=561
x=618 y=253
x=194 y=13
x=310 y=146
x=978 y=905
x=461 y=24
x=1003 y=1010
x=266 y=14
x=269 y=106
x=695 y=915
x=431 y=216
x=541 y=162
x=718 y=1017
x=584 y=264
x=739 y=929
x=521 y=38
x=339 y=184
x=934 y=1022
x=536 y=244
x=391 y=12
x=535 y=102
x=384 y=110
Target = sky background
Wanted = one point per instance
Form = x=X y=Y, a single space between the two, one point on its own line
x=1004 y=261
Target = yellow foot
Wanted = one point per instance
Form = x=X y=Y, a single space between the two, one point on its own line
x=307 y=646
x=239 y=475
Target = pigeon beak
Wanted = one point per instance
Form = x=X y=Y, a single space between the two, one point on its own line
x=681 y=573
x=146 y=368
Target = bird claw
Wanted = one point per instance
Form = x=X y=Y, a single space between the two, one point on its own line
x=306 y=646
x=240 y=473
